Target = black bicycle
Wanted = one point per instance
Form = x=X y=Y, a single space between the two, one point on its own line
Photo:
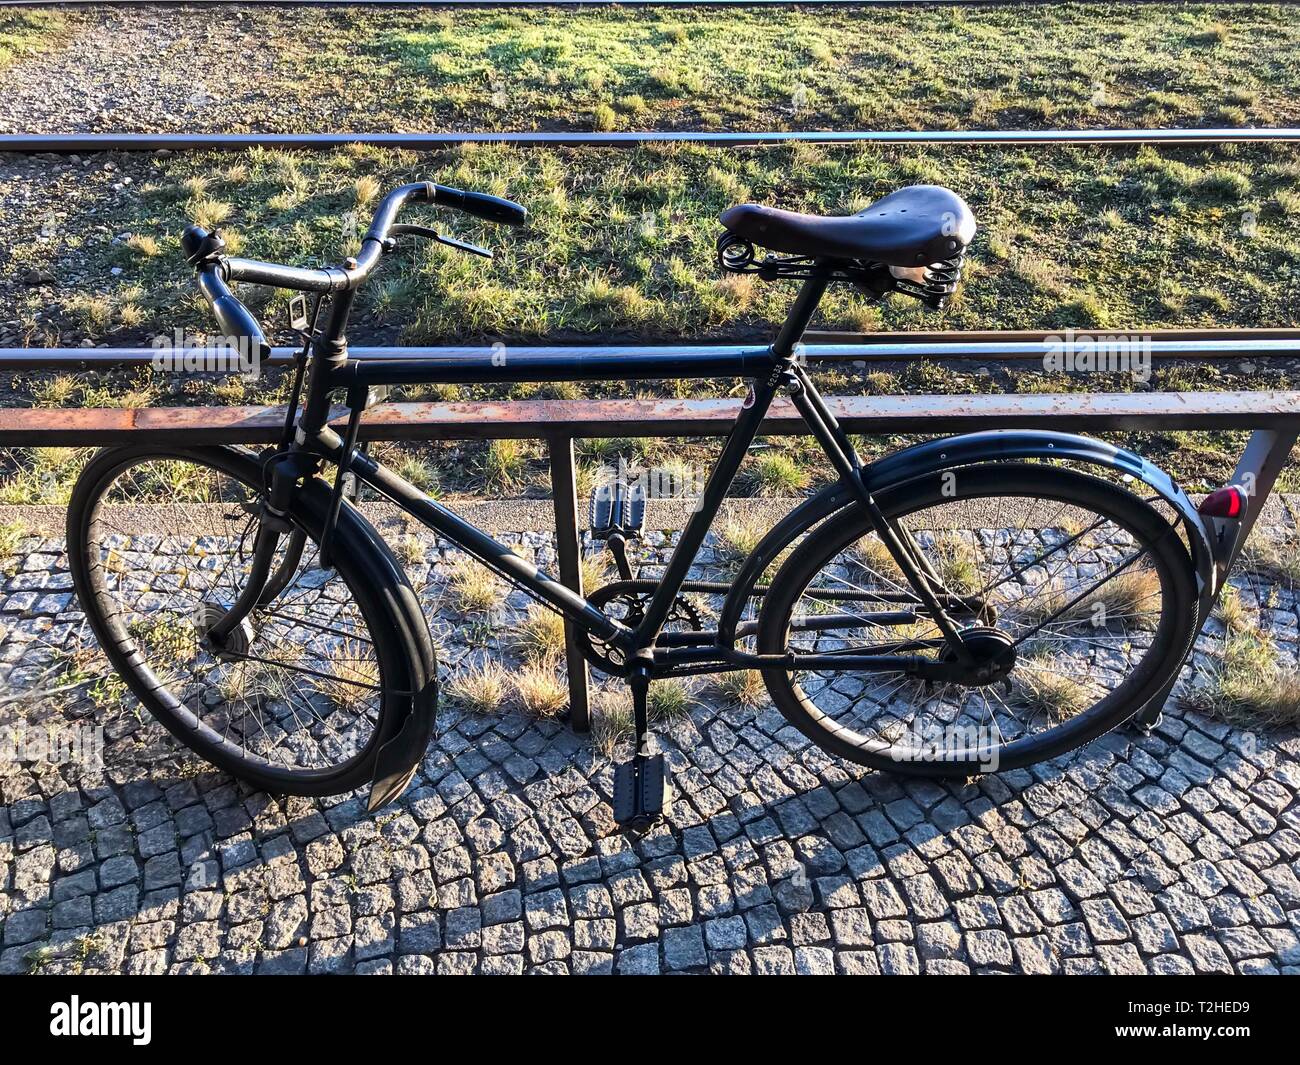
x=965 y=604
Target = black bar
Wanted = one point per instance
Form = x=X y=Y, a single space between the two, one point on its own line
x=564 y=489
x=701 y=520
x=561 y=364
x=496 y=556
x=1206 y=344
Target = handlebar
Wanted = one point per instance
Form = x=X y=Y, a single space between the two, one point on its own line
x=204 y=251
x=234 y=319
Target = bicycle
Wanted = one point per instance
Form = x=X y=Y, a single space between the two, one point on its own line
x=962 y=605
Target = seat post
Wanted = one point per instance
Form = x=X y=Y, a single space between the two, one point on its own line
x=805 y=306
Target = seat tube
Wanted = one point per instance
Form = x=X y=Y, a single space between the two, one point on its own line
x=733 y=453
x=805 y=306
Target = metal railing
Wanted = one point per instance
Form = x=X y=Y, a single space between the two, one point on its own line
x=1273 y=418
x=830 y=348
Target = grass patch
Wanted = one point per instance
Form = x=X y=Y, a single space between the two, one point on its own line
x=873 y=558
x=1038 y=687
x=774 y=473
x=540 y=689
x=474 y=588
x=12 y=533
x=540 y=635
x=613 y=723
x=1245 y=683
x=1277 y=560
x=27 y=33
x=503 y=463
x=481 y=689
x=744 y=687
x=1067 y=64
x=352 y=675
x=737 y=536
x=621 y=244
x=958 y=564
x=669 y=699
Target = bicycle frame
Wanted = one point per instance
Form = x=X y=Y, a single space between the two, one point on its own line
x=775 y=369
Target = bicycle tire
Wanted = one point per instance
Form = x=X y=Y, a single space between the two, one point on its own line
x=1170 y=644
x=371 y=574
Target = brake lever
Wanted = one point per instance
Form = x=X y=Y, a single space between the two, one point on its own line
x=408 y=229
x=463 y=245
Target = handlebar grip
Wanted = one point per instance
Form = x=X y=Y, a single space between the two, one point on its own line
x=234 y=319
x=480 y=205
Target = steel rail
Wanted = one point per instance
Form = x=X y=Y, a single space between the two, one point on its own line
x=583 y=3
x=66 y=143
x=568 y=419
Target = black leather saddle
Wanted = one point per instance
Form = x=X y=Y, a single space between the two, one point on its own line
x=915 y=226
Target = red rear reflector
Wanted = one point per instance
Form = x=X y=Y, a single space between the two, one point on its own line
x=1229 y=502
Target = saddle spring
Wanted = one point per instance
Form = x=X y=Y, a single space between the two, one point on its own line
x=932 y=284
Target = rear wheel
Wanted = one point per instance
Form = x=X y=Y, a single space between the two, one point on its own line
x=1075 y=596
x=310 y=685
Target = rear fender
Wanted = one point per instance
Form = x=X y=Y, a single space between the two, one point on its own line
x=935 y=457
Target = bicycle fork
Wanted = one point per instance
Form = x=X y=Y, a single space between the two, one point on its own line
x=273 y=522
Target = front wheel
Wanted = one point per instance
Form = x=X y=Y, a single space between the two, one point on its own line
x=1075 y=598
x=307 y=688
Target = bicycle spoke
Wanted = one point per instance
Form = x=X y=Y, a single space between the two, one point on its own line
x=298 y=684
x=1071 y=590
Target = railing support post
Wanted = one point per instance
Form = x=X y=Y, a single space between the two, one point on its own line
x=1266 y=454
x=1264 y=457
x=564 y=490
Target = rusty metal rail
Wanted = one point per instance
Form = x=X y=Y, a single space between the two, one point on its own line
x=574 y=3
x=593 y=418
x=1272 y=417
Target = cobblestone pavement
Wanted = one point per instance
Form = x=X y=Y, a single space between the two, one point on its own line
x=1176 y=852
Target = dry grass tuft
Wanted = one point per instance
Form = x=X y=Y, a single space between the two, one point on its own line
x=480 y=689
x=540 y=688
x=540 y=635
x=474 y=588
x=745 y=687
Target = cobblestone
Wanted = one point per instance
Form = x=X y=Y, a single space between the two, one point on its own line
x=1176 y=852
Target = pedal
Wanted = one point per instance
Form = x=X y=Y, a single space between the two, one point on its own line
x=606 y=508
x=642 y=792
x=617 y=508
x=617 y=515
x=634 y=516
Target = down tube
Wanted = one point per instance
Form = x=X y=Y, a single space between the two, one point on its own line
x=496 y=556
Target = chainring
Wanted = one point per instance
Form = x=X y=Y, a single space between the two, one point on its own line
x=625 y=601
